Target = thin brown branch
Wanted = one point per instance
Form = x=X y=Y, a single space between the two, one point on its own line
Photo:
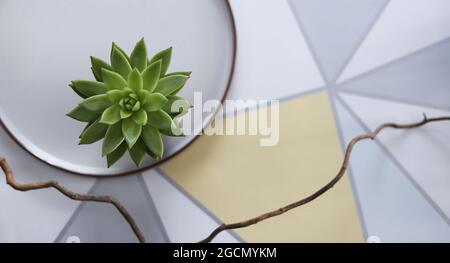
x=70 y=194
x=108 y=199
x=372 y=135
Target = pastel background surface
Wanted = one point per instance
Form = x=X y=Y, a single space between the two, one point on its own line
x=342 y=67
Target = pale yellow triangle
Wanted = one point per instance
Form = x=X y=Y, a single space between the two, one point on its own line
x=235 y=178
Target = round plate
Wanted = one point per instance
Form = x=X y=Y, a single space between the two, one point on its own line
x=47 y=43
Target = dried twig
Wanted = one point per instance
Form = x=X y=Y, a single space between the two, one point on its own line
x=108 y=199
x=329 y=185
x=70 y=194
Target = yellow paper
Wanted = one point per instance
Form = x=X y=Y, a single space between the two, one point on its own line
x=235 y=178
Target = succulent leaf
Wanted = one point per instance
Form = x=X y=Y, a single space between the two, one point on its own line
x=115 y=95
x=174 y=131
x=83 y=115
x=77 y=92
x=125 y=113
x=113 y=138
x=97 y=66
x=95 y=132
x=116 y=47
x=140 y=117
x=97 y=77
x=111 y=115
x=175 y=92
x=165 y=56
x=113 y=80
x=85 y=128
x=138 y=57
x=153 y=139
x=134 y=96
x=136 y=106
x=137 y=152
x=88 y=88
x=127 y=91
x=135 y=82
x=131 y=131
x=113 y=157
x=164 y=123
x=120 y=63
x=151 y=75
x=171 y=85
x=97 y=103
x=154 y=101
x=184 y=73
x=176 y=106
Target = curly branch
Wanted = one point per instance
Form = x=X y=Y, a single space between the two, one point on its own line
x=108 y=199
x=70 y=194
x=372 y=135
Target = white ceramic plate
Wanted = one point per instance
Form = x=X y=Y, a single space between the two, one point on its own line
x=47 y=43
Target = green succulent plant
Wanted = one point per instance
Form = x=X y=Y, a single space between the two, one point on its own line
x=129 y=104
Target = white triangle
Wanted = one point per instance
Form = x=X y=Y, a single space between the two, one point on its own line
x=391 y=207
x=404 y=27
x=40 y=215
x=423 y=152
x=184 y=220
x=273 y=59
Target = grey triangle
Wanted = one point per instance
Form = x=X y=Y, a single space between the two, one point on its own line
x=422 y=79
x=392 y=208
x=102 y=223
x=336 y=28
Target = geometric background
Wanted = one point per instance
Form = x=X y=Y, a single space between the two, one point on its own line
x=340 y=68
x=235 y=178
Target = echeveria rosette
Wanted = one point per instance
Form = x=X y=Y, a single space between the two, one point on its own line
x=129 y=105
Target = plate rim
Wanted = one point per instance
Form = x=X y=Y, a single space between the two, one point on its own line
x=169 y=157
